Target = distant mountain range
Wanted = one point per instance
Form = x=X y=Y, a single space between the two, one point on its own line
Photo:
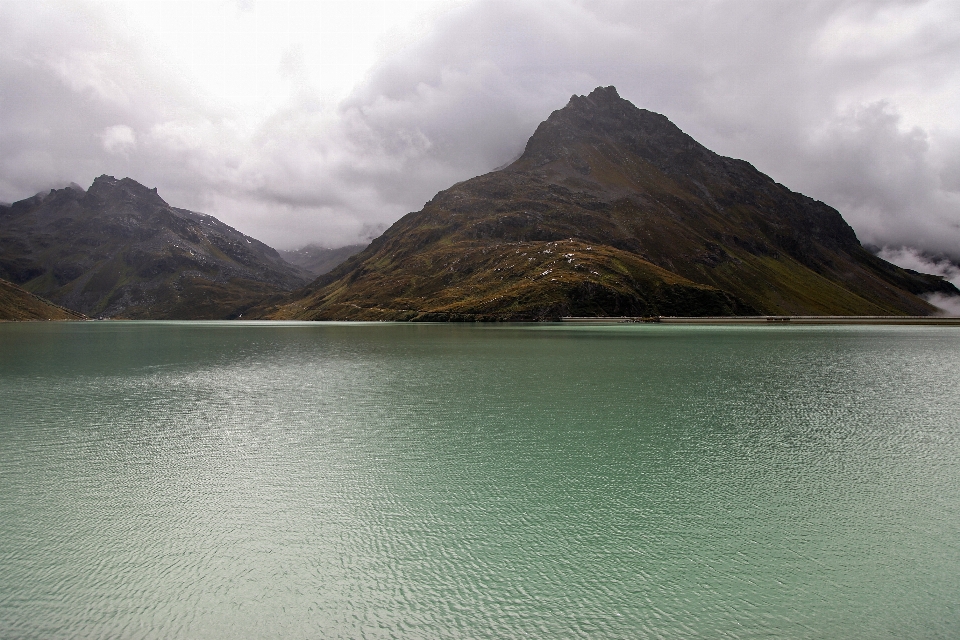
x=613 y=210
x=610 y=211
x=319 y=260
x=119 y=250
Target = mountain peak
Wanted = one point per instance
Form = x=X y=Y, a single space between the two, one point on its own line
x=602 y=101
x=602 y=96
x=602 y=119
x=599 y=98
x=125 y=189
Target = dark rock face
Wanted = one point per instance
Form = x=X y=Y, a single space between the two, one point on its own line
x=644 y=208
x=119 y=250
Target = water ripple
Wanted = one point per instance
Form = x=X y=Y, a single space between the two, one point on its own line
x=396 y=481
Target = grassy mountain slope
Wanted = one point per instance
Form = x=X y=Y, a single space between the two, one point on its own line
x=19 y=304
x=512 y=280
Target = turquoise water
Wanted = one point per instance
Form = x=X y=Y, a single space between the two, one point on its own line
x=213 y=480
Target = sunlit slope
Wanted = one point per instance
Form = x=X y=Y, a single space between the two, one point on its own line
x=673 y=229
x=19 y=304
x=533 y=280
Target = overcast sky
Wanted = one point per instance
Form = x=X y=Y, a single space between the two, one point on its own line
x=326 y=121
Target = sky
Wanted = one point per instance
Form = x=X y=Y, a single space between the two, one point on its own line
x=325 y=122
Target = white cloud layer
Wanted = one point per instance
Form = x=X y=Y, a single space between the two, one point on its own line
x=306 y=122
x=910 y=258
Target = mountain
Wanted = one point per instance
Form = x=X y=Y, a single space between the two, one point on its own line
x=613 y=210
x=19 y=304
x=119 y=250
x=320 y=260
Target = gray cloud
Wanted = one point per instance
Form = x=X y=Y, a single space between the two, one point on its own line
x=854 y=103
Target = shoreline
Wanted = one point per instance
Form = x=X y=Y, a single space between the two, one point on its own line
x=853 y=320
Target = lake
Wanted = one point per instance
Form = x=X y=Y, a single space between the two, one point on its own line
x=307 y=480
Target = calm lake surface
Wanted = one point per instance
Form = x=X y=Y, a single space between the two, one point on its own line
x=286 y=480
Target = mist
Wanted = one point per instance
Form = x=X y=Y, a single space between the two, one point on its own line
x=938 y=265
